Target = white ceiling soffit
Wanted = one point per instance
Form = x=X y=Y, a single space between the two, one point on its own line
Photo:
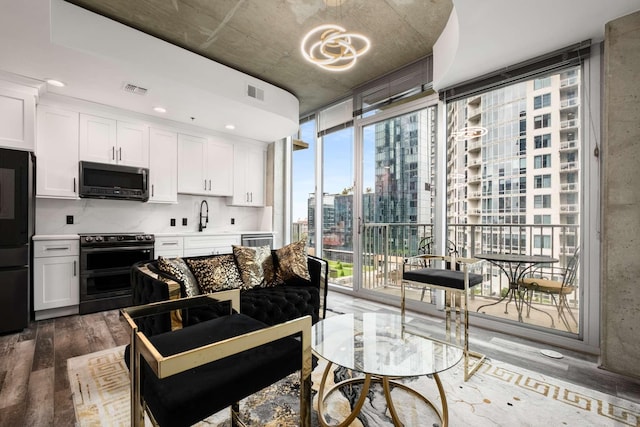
x=96 y=57
x=481 y=37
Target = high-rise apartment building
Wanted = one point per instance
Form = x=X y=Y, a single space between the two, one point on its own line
x=513 y=158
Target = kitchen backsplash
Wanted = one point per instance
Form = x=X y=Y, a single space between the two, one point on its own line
x=116 y=216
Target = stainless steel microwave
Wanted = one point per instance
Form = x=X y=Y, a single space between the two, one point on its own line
x=108 y=181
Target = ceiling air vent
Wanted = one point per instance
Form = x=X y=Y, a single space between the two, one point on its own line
x=255 y=92
x=131 y=88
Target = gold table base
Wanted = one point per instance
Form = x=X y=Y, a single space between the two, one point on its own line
x=386 y=385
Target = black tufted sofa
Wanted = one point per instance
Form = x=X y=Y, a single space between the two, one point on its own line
x=271 y=305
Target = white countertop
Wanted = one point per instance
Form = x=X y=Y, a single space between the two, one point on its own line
x=176 y=234
x=55 y=237
x=210 y=233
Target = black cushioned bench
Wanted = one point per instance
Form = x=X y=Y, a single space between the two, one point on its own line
x=456 y=282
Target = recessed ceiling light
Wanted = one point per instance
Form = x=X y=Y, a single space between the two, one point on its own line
x=230 y=127
x=56 y=83
x=159 y=109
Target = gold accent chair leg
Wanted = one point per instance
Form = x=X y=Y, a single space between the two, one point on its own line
x=137 y=405
x=235 y=415
x=305 y=381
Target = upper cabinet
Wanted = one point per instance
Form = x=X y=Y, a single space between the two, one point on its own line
x=220 y=167
x=205 y=166
x=133 y=144
x=17 y=118
x=57 y=153
x=163 y=166
x=105 y=140
x=249 y=175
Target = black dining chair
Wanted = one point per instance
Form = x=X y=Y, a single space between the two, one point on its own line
x=427 y=247
x=558 y=283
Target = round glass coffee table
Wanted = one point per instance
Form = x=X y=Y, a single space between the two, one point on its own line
x=376 y=345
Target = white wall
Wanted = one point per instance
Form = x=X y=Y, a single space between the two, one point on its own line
x=115 y=216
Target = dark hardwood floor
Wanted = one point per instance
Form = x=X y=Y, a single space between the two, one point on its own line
x=34 y=388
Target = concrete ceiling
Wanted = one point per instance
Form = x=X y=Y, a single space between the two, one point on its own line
x=198 y=56
x=262 y=37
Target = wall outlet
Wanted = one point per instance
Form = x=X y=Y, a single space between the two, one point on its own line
x=173 y=222
x=184 y=221
x=69 y=219
x=233 y=221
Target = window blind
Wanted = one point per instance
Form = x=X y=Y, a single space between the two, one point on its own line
x=568 y=56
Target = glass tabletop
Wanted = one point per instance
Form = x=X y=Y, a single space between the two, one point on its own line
x=515 y=258
x=374 y=343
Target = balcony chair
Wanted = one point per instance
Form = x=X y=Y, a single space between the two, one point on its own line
x=427 y=247
x=185 y=375
x=455 y=281
x=543 y=280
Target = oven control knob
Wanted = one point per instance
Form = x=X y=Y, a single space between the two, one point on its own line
x=88 y=239
x=148 y=237
x=98 y=238
x=120 y=237
x=139 y=237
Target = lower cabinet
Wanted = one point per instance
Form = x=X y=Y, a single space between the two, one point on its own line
x=210 y=245
x=168 y=247
x=56 y=285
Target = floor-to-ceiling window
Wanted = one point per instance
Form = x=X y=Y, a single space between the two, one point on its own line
x=303 y=185
x=505 y=169
x=337 y=205
x=396 y=184
x=516 y=152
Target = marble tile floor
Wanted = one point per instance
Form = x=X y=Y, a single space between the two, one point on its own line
x=575 y=367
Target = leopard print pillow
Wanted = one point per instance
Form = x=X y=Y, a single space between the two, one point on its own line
x=292 y=262
x=179 y=269
x=216 y=273
x=255 y=265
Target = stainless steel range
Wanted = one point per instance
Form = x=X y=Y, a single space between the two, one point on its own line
x=105 y=261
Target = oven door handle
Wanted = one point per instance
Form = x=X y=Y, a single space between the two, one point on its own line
x=116 y=249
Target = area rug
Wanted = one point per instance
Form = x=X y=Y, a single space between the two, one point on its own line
x=498 y=394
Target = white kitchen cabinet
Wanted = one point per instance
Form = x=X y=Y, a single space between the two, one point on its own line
x=133 y=144
x=163 y=166
x=248 y=175
x=57 y=153
x=220 y=167
x=205 y=166
x=56 y=284
x=105 y=140
x=17 y=117
x=210 y=244
x=168 y=247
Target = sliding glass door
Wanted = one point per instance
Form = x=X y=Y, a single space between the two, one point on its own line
x=395 y=182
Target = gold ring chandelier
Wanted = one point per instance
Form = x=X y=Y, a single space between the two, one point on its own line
x=336 y=50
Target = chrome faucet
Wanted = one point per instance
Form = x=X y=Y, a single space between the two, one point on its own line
x=202 y=226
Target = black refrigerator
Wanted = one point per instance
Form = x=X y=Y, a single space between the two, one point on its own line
x=16 y=229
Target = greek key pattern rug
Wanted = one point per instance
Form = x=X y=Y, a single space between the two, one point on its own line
x=498 y=394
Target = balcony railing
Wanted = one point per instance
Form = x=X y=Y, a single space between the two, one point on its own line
x=385 y=247
x=573 y=123
x=571 y=81
x=569 y=166
x=569 y=187
x=569 y=102
x=569 y=145
x=473 y=146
